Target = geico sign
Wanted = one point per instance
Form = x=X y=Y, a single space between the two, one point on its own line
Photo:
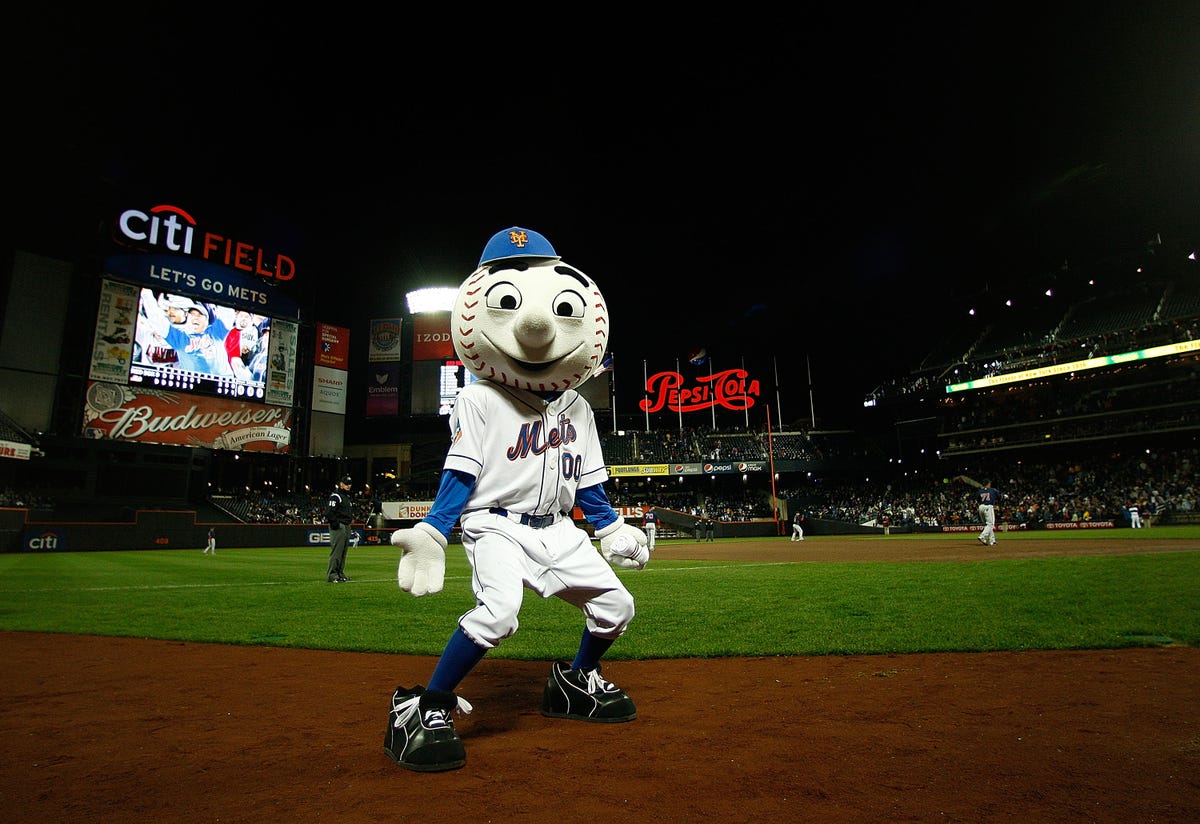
x=174 y=230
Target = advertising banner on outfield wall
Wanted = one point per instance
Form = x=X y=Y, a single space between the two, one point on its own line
x=281 y=367
x=15 y=449
x=135 y=415
x=405 y=510
x=332 y=347
x=383 y=390
x=330 y=387
x=431 y=337
x=116 y=317
x=383 y=345
x=330 y=375
x=727 y=468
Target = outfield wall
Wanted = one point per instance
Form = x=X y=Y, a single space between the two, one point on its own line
x=180 y=529
x=159 y=529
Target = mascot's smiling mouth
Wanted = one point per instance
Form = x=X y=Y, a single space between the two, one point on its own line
x=540 y=367
x=535 y=367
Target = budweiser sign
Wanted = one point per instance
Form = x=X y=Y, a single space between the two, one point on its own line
x=123 y=413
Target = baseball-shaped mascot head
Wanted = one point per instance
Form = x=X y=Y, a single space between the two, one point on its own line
x=526 y=319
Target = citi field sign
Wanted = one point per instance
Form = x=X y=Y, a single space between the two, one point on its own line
x=170 y=229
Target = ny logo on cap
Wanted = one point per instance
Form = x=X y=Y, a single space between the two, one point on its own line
x=518 y=239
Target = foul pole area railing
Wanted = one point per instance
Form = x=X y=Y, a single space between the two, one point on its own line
x=771 y=461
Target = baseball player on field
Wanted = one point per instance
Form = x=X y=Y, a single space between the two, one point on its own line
x=524 y=452
x=650 y=527
x=989 y=499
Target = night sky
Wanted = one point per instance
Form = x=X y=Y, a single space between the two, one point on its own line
x=837 y=186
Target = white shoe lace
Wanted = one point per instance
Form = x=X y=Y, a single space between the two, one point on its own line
x=433 y=719
x=596 y=683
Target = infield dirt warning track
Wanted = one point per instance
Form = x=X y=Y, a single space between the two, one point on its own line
x=122 y=729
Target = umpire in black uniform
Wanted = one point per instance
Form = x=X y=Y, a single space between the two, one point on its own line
x=338 y=514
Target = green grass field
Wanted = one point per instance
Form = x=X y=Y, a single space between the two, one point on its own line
x=278 y=597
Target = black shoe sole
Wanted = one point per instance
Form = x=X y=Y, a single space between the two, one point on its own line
x=552 y=697
x=435 y=767
x=570 y=717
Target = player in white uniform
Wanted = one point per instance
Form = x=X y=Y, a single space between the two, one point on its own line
x=650 y=527
x=989 y=497
x=524 y=453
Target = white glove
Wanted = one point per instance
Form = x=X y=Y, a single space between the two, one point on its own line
x=623 y=545
x=422 y=567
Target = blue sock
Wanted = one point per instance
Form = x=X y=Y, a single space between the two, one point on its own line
x=459 y=658
x=591 y=650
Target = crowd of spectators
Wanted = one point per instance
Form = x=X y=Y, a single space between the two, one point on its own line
x=1099 y=487
x=691 y=445
x=1087 y=329
x=270 y=507
x=25 y=499
x=1033 y=494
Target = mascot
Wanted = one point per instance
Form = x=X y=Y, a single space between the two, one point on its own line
x=524 y=453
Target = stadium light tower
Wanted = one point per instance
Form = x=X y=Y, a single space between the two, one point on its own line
x=433 y=299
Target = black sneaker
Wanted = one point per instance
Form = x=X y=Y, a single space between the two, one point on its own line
x=420 y=733
x=585 y=696
x=333 y=580
x=342 y=579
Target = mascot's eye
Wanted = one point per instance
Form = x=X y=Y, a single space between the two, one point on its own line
x=568 y=304
x=503 y=295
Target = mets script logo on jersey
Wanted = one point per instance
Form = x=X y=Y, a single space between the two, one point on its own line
x=531 y=439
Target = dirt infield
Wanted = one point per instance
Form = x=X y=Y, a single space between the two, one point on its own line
x=100 y=729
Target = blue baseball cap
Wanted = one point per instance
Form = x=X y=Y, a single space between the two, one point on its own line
x=516 y=242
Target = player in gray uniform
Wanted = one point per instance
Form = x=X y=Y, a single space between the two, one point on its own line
x=524 y=452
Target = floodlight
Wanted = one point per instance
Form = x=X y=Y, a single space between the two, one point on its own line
x=433 y=299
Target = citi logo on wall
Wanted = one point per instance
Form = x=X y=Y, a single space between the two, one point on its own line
x=166 y=228
x=48 y=541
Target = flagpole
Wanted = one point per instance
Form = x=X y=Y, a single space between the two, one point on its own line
x=712 y=406
x=645 y=396
x=680 y=405
x=778 y=405
x=612 y=389
x=774 y=491
x=747 y=410
x=811 y=408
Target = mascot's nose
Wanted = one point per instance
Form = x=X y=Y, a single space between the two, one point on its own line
x=536 y=328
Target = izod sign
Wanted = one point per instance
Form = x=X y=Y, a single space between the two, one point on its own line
x=431 y=337
x=166 y=229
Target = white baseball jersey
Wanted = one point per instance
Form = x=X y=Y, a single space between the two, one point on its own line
x=528 y=455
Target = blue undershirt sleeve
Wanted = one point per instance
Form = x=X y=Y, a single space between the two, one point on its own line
x=451 y=497
x=595 y=505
